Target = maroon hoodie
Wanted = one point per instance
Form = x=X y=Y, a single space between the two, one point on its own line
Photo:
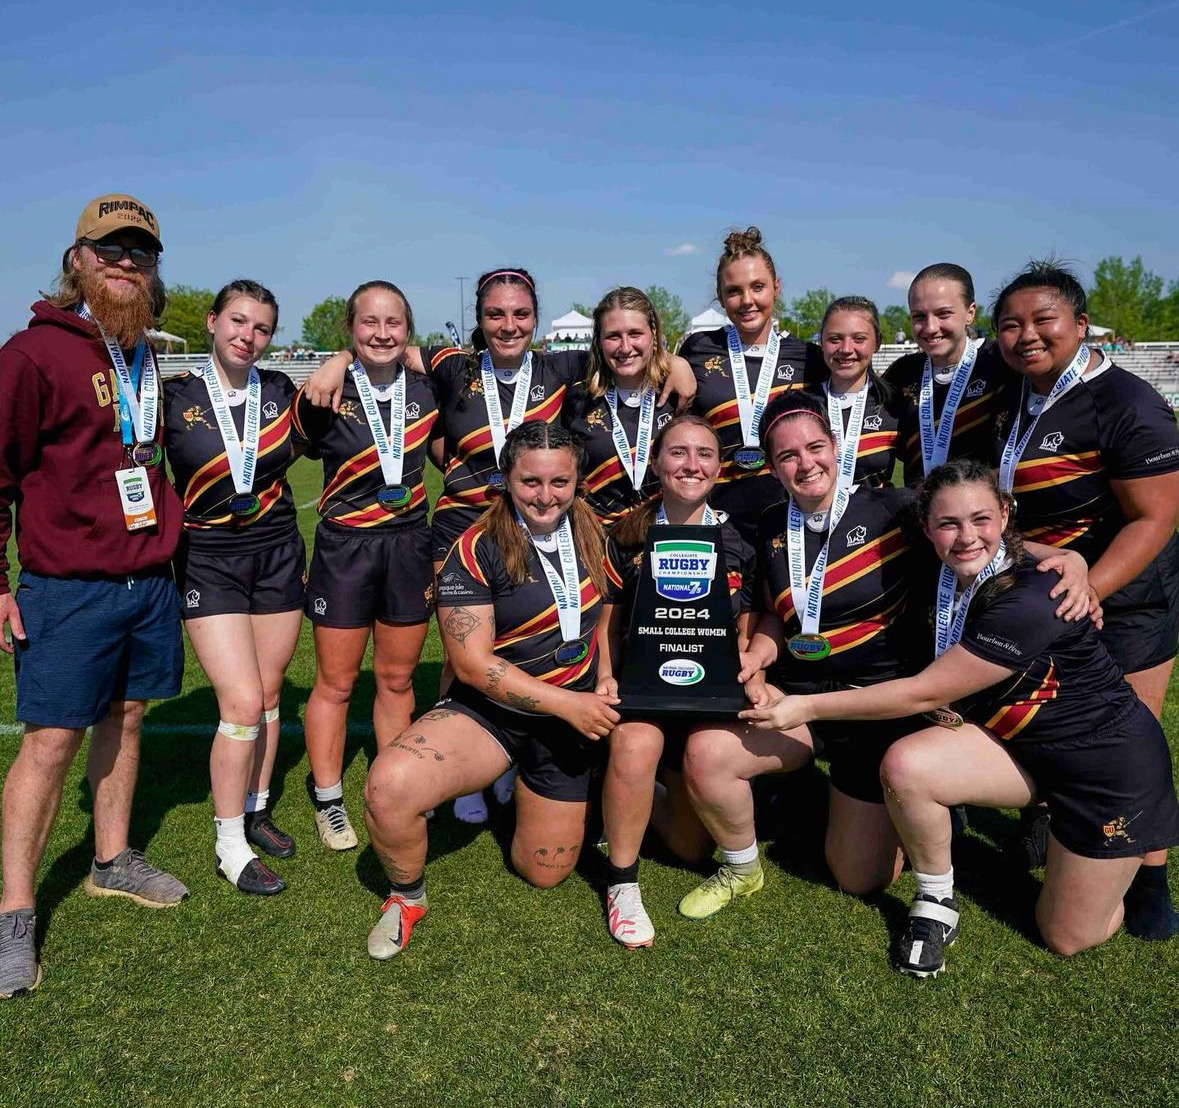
x=60 y=446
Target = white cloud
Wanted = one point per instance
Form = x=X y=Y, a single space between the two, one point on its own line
x=901 y=279
x=681 y=250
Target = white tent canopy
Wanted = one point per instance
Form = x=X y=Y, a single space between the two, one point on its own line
x=165 y=337
x=571 y=327
x=1099 y=331
x=708 y=320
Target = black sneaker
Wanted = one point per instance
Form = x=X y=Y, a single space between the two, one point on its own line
x=260 y=831
x=920 y=949
x=257 y=878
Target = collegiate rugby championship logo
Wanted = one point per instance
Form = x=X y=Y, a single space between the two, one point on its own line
x=683 y=569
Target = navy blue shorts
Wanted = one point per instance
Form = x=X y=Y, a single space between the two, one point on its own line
x=91 y=642
x=1142 y=620
x=219 y=582
x=555 y=761
x=361 y=576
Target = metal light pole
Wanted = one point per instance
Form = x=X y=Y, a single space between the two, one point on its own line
x=462 y=307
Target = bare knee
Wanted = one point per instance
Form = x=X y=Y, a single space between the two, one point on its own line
x=634 y=755
x=1067 y=941
x=707 y=757
x=50 y=751
x=858 y=880
x=544 y=867
x=242 y=706
x=335 y=687
x=393 y=680
x=903 y=771
x=394 y=787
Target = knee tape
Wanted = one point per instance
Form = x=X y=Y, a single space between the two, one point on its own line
x=269 y=715
x=243 y=732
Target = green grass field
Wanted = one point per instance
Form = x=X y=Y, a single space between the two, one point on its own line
x=512 y=996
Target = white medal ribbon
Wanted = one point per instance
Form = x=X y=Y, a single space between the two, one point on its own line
x=390 y=446
x=144 y=413
x=751 y=405
x=566 y=585
x=847 y=446
x=948 y=624
x=710 y=518
x=495 y=411
x=808 y=593
x=1013 y=451
x=241 y=453
x=634 y=464
x=935 y=445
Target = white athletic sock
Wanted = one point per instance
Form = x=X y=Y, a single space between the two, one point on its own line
x=256 y=802
x=740 y=857
x=471 y=808
x=938 y=885
x=233 y=852
x=332 y=792
x=504 y=785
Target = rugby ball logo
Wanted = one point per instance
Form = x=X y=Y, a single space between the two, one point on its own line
x=683 y=569
x=681 y=671
x=1053 y=441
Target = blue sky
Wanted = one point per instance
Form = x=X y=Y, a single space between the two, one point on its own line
x=313 y=147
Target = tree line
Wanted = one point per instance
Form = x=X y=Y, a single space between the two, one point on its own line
x=1125 y=296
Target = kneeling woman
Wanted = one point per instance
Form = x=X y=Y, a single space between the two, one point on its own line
x=1044 y=713
x=518 y=602
x=686 y=460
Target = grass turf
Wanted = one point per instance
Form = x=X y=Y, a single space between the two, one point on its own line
x=513 y=996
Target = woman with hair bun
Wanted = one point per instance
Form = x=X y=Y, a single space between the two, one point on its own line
x=740 y=368
x=1026 y=706
x=371 y=575
x=518 y=600
x=1091 y=454
x=240 y=565
x=615 y=412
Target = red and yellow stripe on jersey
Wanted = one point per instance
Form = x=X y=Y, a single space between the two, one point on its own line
x=1011 y=719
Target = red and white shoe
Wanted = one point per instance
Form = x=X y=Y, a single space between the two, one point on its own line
x=627 y=918
x=391 y=933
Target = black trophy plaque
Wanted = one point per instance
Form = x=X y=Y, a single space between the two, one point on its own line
x=681 y=651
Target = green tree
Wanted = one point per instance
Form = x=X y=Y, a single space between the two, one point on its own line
x=324 y=327
x=436 y=338
x=1162 y=320
x=1124 y=297
x=671 y=314
x=894 y=319
x=585 y=311
x=185 y=315
x=804 y=317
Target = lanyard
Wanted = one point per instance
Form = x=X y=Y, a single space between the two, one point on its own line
x=495 y=411
x=935 y=445
x=566 y=585
x=242 y=454
x=1013 y=451
x=948 y=624
x=138 y=422
x=709 y=519
x=847 y=446
x=751 y=405
x=808 y=594
x=633 y=465
x=390 y=450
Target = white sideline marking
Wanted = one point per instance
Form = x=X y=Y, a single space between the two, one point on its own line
x=309 y=504
x=199 y=728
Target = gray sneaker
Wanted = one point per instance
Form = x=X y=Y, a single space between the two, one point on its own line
x=130 y=875
x=19 y=970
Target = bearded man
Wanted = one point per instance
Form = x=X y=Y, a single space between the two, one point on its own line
x=94 y=622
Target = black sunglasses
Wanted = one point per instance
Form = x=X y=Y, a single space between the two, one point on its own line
x=111 y=253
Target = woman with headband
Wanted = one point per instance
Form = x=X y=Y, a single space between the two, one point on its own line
x=615 y=412
x=518 y=600
x=739 y=369
x=1029 y=706
x=371 y=575
x=1091 y=454
x=240 y=565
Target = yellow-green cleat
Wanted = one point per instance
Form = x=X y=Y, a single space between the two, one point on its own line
x=719 y=891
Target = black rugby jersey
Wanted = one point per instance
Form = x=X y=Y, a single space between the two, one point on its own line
x=470 y=452
x=608 y=490
x=876 y=454
x=973 y=432
x=351 y=469
x=1110 y=426
x=527 y=627
x=743 y=493
x=869 y=571
x=1065 y=684
x=200 y=467
x=623 y=562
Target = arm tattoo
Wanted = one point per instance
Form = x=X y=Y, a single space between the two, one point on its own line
x=495 y=674
x=460 y=623
x=528 y=703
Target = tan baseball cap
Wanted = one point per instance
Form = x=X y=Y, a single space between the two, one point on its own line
x=117 y=212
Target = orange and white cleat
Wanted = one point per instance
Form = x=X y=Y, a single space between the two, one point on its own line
x=391 y=933
x=627 y=918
